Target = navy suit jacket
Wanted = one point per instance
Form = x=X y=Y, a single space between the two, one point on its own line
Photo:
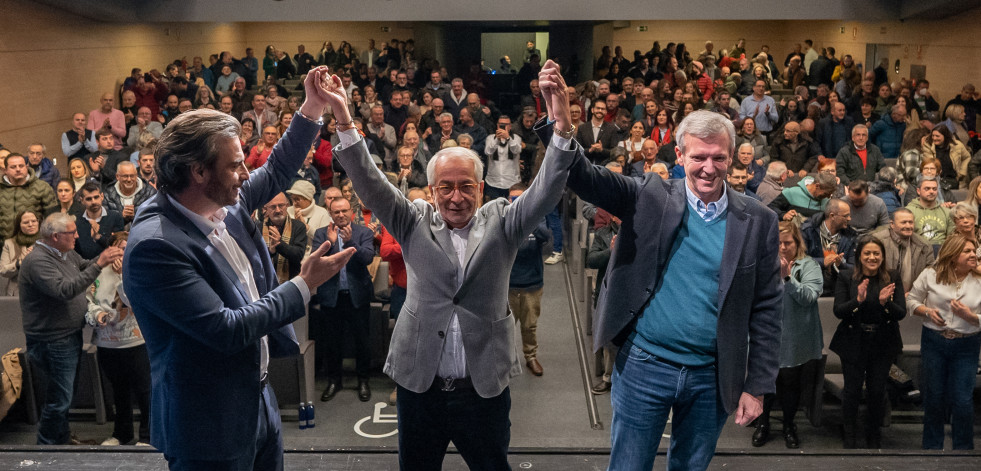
x=750 y=290
x=358 y=278
x=202 y=331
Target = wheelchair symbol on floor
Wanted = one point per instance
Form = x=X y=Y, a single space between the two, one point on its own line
x=377 y=418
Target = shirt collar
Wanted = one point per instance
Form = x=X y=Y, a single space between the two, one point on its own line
x=708 y=212
x=204 y=224
x=62 y=255
x=85 y=214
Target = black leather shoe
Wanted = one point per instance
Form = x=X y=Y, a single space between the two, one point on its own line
x=364 y=392
x=762 y=434
x=790 y=436
x=329 y=393
x=601 y=387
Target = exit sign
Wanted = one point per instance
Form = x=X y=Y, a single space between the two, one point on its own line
x=641 y=28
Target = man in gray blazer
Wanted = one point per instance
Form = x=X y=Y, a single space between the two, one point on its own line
x=453 y=351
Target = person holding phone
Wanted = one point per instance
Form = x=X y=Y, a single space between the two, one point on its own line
x=830 y=241
x=503 y=151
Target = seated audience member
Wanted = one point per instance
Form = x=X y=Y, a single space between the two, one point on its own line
x=648 y=152
x=78 y=141
x=868 y=211
x=65 y=196
x=170 y=110
x=305 y=209
x=953 y=156
x=285 y=237
x=409 y=173
x=20 y=190
x=503 y=156
x=887 y=133
x=345 y=298
x=128 y=193
x=597 y=135
x=885 y=188
x=470 y=127
x=241 y=98
x=772 y=184
x=832 y=131
x=110 y=119
x=259 y=113
x=859 y=159
x=966 y=221
x=96 y=224
x=660 y=169
x=44 y=169
x=745 y=155
x=798 y=151
x=21 y=242
x=869 y=300
x=748 y=133
x=933 y=220
x=830 y=242
x=948 y=297
x=737 y=176
x=144 y=124
x=419 y=153
x=907 y=253
x=442 y=133
x=122 y=353
x=801 y=338
x=102 y=163
x=806 y=198
x=526 y=285
x=261 y=151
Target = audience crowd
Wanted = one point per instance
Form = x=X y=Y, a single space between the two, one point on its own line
x=877 y=185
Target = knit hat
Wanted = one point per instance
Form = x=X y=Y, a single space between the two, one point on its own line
x=302 y=188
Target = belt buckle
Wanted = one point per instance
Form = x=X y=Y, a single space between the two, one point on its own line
x=448 y=384
x=950 y=334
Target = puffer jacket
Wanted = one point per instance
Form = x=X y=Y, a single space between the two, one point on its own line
x=33 y=195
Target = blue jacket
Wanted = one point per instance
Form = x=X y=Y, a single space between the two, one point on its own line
x=358 y=279
x=202 y=331
x=48 y=173
x=888 y=135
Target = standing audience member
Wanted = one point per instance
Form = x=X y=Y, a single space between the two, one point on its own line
x=948 y=297
x=129 y=192
x=345 y=299
x=52 y=285
x=20 y=190
x=526 y=285
x=772 y=184
x=503 y=156
x=305 y=208
x=78 y=141
x=121 y=350
x=933 y=220
x=953 y=156
x=285 y=237
x=801 y=339
x=760 y=107
x=96 y=224
x=44 y=169
x=869 y=300
x=16 y=248
x=109 y=119
x=868 y=211
x=887 y=133
x=102 y=163
x=858 y=159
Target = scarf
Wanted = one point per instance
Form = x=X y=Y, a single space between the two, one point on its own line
x=282 y=270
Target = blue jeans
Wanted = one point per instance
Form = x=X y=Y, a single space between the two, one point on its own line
x=58 y=361
x=645 y=390
x=554 y=221
x=947 y=382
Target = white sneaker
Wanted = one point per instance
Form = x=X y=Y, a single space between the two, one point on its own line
x=111 y=441
x=142 y=444
x=556 y=257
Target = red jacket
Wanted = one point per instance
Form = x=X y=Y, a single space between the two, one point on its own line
x=323 y=158
x=391 y=252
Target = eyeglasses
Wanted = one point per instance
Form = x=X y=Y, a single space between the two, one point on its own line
x=468 y=189
x=68 y=232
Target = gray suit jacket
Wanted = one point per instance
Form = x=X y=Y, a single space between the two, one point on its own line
x=480 y=301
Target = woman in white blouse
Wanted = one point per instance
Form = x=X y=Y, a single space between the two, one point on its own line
x=948 y=298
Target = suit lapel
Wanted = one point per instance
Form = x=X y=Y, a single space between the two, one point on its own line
x=737 y=225
x=672 y=212
x=473 y=240
x=441 y=234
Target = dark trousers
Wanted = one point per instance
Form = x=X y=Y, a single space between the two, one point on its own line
x=789 y=388
x=479 y=428
x=873 y=371
x=58 y=361
x=128 y=370
x=265 y=454
x=491 y=193
x=341 y=321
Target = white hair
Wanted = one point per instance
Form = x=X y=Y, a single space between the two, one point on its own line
x=455 y=152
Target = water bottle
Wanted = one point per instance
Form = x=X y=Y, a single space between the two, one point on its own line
x=310 y=416
x=303 y=416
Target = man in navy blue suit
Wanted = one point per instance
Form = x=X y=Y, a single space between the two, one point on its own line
x=345 y=299
x=692 y=295
x=206 y=294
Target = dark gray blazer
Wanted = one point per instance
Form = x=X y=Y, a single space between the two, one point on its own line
x=750 y=290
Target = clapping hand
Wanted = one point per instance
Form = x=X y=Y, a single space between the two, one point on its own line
x=318 y=268
x=863 y=290
x=785 y=266
x=885 y=294
x=274 y=239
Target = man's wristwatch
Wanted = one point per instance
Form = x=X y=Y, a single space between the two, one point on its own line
x=566 y=134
